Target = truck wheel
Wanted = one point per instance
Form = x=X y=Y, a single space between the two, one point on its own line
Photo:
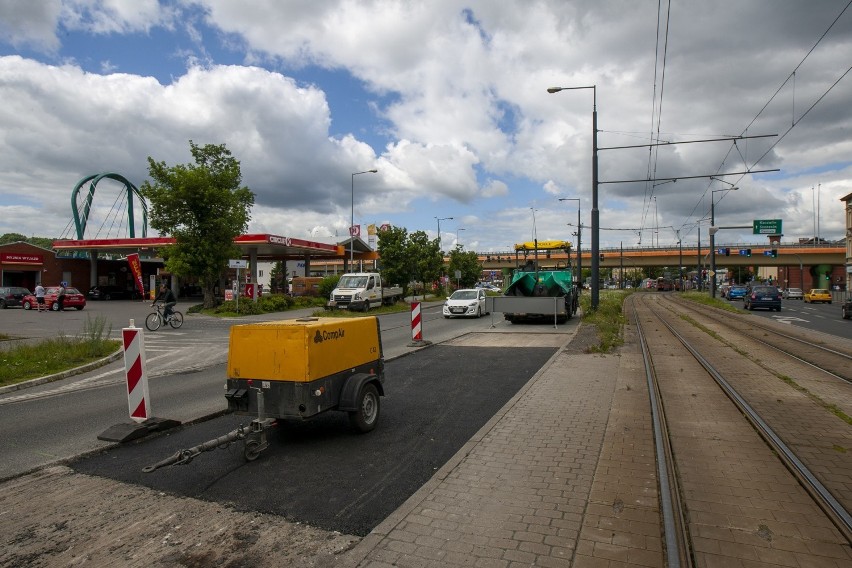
x=365 y=418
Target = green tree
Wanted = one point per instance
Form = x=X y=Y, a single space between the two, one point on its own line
x=467 y=263
x=43 y=242
x=278 y=277
x=407 y=258
x=204 y=208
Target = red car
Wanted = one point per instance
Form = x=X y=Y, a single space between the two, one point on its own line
x=73 y=299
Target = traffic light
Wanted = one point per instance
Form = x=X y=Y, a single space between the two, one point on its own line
x=748 y=252
x=601 y=256
x=727 y=251
x=774 y=253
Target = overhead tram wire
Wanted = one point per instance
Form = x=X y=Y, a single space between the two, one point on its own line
x=794 y=122
x=653 y=151
x=775 y=94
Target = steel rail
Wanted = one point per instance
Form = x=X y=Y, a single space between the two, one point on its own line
x=674 y=526
x=775 y=332
x=821 y=495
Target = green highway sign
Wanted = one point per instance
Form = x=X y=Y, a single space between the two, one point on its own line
x=767 y=226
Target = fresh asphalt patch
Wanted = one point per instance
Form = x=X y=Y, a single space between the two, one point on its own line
x=321 y=472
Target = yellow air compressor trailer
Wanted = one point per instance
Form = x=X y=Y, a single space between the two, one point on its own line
x=296 y=369
x=306 y=366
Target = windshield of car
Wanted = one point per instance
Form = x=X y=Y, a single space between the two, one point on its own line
x=464 y=295
x=352 y=282
x=765 y=290
x=794 y=291
x=738 y=288
x=819 y=291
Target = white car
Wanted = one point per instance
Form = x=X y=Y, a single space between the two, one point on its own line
x=467 y=302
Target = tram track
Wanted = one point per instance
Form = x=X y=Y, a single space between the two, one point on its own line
x=828 y=353
x=722 y=478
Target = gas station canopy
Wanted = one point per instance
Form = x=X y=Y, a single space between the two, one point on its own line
x=265 y=246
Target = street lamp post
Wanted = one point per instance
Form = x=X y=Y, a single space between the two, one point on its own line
x=352 y=219
x=712 y=232
x=440 y=246
x=595 y=212
x=579 y=241
x=457 y=236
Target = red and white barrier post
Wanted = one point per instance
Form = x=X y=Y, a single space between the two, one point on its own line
x=416 y=323
x=138 y=399
x=416 y=326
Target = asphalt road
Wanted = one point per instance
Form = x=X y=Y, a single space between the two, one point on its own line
x=59 y=420
x=322 y=473
x=824 y=318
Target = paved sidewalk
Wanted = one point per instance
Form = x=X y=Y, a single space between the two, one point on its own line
x=562 y=476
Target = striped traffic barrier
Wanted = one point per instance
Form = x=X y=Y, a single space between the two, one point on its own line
x=416 y=323
x=417 y=327
x=138 y=399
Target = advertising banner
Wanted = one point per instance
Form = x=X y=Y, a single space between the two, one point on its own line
x=136 y=270
x=372 y=236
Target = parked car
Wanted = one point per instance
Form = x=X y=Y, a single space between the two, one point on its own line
x=846 y=308
x=723 y=290
x=73 y=299
x=109 y=293
x=12 y=296
x=465 y=302
x=792 y=294
x=818 y=295
x=737 y=292
x=763 y=297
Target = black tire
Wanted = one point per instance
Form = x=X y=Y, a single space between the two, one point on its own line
x=446 y=317
x=365 y=418
x=177 y=320
x=107 y=297
x=153 y=321
x=26 y=306
x=54 y=307
x=478 y=312
x=79 y=308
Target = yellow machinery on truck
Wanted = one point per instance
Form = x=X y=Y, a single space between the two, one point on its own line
x=296 y=369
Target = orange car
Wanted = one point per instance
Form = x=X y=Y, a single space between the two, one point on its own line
x=73 y=299
x=818 y=295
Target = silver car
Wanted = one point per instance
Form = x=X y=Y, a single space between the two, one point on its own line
x=792 y=294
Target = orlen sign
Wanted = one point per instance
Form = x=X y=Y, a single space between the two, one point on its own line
x=17 y=258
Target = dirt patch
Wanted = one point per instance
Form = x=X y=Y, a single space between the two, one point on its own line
x=56 y=517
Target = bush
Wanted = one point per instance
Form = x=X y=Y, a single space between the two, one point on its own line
x=327 y=285
x=275 y=303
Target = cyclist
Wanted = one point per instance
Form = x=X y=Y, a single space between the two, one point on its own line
x=167 y=296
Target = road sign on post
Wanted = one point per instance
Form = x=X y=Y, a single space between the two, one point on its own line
x=766 y=227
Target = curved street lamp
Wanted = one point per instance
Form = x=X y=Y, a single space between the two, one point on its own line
x=595 y=212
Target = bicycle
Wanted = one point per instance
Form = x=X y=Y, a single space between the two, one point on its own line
x=156 y=319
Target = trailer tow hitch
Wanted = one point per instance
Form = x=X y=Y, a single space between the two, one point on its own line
x=254 y=435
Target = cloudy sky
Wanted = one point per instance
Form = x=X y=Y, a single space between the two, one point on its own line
x=448 y=101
